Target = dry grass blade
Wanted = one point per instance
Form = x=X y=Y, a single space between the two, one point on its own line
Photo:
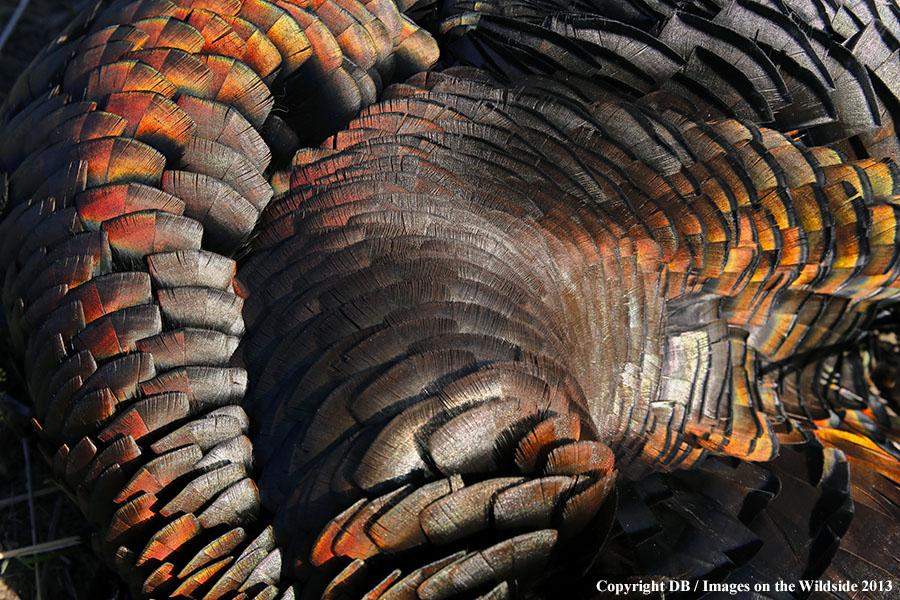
x=38 y=588
x=38 y=24
x=52 y=546
x=5 y=502
x=54 y=540
x=11 y=24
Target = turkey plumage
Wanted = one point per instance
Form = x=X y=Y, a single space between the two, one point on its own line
x=571 y=292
